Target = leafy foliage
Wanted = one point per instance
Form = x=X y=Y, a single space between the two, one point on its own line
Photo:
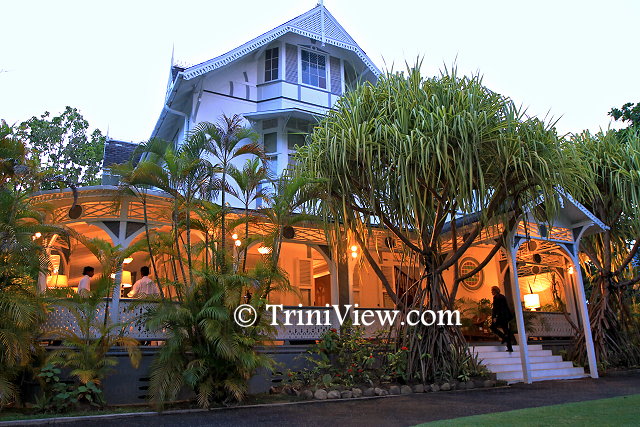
x=84 y=348
x=410 y=153
x=206 y=351
x=21 y=257
x=60 y=396
x=629 y=112
x=612 y=161
x=63 y=147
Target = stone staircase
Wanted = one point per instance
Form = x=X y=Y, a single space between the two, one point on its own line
x=508 y=366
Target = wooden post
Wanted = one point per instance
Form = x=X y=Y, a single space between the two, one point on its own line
x=584 y=316
x=512 y=249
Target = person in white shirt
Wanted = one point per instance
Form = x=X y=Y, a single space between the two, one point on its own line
x=144 y=286
x=84 y=287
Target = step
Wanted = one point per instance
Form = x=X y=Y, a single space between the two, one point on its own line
x=542 y=374
x=513 y=355
x=534 y=366
x=491 y=348
x=517 y=360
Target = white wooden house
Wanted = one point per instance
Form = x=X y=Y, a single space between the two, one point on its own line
x=281 y=82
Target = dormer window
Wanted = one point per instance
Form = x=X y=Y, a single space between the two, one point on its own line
x=271 y=64
x=314 y=69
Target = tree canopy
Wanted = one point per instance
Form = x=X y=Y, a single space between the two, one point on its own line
x=629 y=112
x=64 y=147
x=409 y=154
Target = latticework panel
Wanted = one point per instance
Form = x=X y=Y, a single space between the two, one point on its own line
x=540 y=231
x=542 y=324
x=132 y=316
x=155 y=213
x=60 y=318
x=90 y=210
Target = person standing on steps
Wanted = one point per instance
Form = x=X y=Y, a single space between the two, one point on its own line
x=500 y=317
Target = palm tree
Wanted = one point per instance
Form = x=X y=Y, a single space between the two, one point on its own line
x=85 y=352
x=612 y=160
x=284 y=209
x=206 y=350
x=226 y=141
x=409 y=154
x=250 y=181
x=22 y=256
x=182 y=173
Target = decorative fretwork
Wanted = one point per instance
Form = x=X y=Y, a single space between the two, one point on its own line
x=540 y=231
x=487 y=235
x=545 y=324
x=132 y=316
x=90 y=210
x=155 y=213
x=60 y=318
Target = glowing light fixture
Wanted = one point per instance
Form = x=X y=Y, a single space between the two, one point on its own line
x=570 y=269
x=126 y=279
x=264 y=250
x=113 y=275
x=57 y=281
x=532 y=301
x=234 y=236
x=354 y=251
x=238 y=242
x=127 y=260
x=38 y=235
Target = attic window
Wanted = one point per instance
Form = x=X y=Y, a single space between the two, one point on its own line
x=271 y=64
x=314 y=70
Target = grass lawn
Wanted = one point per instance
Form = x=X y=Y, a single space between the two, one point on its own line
x=616 y=411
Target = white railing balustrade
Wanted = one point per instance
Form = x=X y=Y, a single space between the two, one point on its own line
x=60 y=318
x=548 y=324
x=305 y=323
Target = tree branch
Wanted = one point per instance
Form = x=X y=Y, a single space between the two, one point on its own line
x=629 y=258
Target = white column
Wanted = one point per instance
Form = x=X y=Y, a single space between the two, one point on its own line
x=517 y=307
x=114 y=314
x=584 y=316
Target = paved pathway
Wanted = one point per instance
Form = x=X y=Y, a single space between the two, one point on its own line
x=399 y=410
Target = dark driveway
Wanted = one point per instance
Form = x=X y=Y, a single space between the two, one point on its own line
x=400 y=410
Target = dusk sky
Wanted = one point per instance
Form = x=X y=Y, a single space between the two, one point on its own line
x=570 y=60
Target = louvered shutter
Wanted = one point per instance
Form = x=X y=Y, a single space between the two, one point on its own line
x=305 y=273
x=334 y=70
x=387 y=272
x=292 y=63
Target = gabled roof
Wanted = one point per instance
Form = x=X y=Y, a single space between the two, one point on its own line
x=317 y=24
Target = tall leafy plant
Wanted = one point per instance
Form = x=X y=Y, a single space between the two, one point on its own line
x=612 y=160
x=408 y=155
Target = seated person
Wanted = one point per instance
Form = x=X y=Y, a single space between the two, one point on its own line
x=144 y=286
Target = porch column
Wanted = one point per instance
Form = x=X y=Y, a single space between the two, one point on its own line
x=584 y=316
x=114 y=309
x=344 y=294
x=512 y=249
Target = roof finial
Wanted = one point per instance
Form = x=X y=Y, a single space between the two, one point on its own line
x=321 y=4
